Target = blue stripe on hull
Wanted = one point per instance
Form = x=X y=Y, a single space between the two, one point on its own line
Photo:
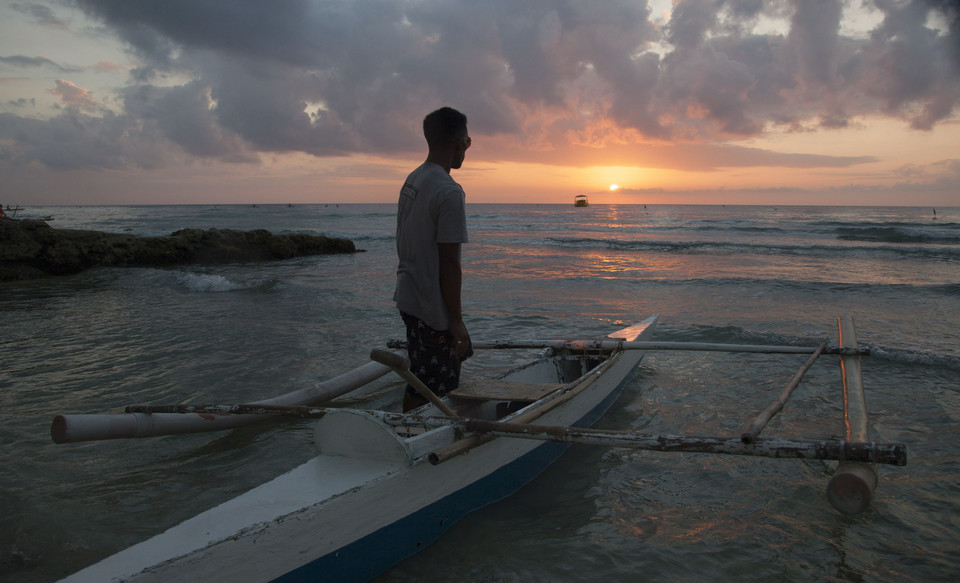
x=366 y=558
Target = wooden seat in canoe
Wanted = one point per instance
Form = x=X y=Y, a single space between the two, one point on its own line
x=501 y=390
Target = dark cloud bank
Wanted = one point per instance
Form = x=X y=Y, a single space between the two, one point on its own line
x=228 y=80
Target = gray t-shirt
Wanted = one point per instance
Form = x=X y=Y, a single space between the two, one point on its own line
x=431 y=210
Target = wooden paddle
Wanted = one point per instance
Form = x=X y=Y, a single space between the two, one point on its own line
x=401 y=366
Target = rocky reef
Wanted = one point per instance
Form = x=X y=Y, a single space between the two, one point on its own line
x=31 y=249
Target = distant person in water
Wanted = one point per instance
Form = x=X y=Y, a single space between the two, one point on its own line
x=431 y=226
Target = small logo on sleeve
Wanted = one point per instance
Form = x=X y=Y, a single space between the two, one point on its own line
x=409 y=191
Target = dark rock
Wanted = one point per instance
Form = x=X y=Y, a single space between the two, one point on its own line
x=30 y=249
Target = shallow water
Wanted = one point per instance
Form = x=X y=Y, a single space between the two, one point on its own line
x=107 y=338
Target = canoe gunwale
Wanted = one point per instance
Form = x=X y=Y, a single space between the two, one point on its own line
x=562 y=395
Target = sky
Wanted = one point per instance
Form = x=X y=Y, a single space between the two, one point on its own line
x=782 y=102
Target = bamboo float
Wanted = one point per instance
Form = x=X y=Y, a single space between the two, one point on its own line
x=84 y=427
x=750 y=435
x=851 y=489
x=301 y=411
x=870 y=452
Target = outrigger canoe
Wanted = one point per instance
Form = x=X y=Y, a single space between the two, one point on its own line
x=372 y=497
x=385 y=485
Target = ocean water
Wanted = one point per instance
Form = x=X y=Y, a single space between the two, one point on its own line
x=106 y=338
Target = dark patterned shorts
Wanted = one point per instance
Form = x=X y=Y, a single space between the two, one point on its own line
x=432 y=357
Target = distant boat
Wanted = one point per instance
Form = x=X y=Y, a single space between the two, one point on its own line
x=580 y=200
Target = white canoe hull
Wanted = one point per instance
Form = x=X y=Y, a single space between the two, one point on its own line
x=368 y=501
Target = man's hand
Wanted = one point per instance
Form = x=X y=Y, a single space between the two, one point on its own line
x=461 y=339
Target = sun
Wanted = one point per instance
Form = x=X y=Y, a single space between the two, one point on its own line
x=614 y=186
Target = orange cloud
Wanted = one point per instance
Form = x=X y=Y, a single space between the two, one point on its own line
x=107 y=67
x=73 y=96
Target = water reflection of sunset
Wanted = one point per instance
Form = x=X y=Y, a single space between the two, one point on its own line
x=625 y=245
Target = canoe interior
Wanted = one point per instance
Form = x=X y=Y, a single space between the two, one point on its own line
x=494 y=399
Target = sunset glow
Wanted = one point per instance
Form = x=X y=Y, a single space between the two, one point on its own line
x=771 y=103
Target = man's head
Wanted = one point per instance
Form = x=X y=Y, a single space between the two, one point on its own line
x=446 y=132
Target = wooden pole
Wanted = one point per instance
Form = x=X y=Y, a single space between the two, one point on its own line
x=891 y=453
x=750 y=435
x=887 y=453
x=610 y=345
x=851 y=489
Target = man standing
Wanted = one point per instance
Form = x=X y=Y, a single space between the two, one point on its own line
x=431 y=225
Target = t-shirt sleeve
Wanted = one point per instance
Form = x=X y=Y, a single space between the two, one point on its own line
x=452 y=217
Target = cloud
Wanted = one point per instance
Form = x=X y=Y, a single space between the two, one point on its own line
x=183 y=115
x=332 y=78
x=107 y=67
x=23 y=102
x=72 y=141
x=912 y=72
x=40 y=13
x=686 y=157
x=940 y=173
x=24 y=61
x=160 y=126
x=73 y=96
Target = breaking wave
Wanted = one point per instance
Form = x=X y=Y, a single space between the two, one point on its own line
x=899 y=234
x=212 y=283
x=723 y=247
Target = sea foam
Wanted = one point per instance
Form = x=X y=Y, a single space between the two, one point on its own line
x=205 y=282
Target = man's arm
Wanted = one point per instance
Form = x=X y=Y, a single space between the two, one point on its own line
x=451 y=277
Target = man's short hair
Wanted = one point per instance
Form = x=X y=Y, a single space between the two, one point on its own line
x=443 y=126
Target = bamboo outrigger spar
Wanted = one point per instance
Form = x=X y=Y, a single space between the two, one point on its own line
x=394 y=482
x=850 y=490
x=836 y=450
